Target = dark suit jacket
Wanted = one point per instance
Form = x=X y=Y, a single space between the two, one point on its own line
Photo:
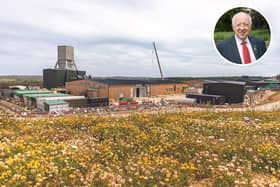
x=228 y=48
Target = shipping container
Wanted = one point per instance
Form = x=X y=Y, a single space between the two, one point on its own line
x=40 y=101
x=56 y=106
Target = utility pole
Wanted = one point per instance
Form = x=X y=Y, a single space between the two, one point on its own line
x=161 y=75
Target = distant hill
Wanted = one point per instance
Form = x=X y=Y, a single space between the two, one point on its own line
x=21 y=77
x=26 y=80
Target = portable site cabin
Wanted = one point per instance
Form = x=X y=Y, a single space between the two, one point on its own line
x=73 y=101
x=19 y=94
x=56 y=106
x=30 y=99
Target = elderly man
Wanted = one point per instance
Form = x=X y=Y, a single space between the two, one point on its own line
x=241 y=48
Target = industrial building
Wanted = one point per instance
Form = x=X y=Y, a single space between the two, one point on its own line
x=118 y=88
x=98 y=91
x=65 y=69
x=55 y=78
x=224 y=91
x=233 y=91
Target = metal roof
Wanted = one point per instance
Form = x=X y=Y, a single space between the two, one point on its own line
x=209 y=95
x=18 y=86
x=57 y=102
x=225 y=82
x=69 y=97
x=134 y=81
x=24 y=92
x=265 y=81
x=45 y=95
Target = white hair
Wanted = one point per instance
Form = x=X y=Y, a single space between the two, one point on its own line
x=239 y=13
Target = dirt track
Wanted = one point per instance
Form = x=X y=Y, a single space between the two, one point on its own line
x=123 y=111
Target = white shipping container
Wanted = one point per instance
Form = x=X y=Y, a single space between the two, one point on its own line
x=40 y=100
x=58 y=108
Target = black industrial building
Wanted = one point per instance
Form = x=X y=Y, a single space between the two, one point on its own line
x=65 y=69
x=233 y=91
x=55 y=78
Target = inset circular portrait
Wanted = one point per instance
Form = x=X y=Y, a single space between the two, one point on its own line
x=242 y=36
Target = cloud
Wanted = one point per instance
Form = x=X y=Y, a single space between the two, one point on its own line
x=114 y=37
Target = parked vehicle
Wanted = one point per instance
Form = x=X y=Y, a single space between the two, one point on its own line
x=127 y=101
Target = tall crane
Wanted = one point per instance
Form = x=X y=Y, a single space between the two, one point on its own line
x=161 y=75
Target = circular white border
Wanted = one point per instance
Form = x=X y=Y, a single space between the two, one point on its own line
x=256 y=61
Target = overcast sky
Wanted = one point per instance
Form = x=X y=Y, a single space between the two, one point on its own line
x=114 y=37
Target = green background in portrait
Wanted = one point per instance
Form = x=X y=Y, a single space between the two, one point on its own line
x=260 y=27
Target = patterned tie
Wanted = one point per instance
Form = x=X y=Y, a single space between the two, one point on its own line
x=246 y=54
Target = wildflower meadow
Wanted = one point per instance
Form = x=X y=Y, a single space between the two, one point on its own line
x=164 y=149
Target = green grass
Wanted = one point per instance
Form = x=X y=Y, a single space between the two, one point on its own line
x=6 y=80
x=262 y=34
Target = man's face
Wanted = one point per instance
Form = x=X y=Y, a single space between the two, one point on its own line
x=241 y=26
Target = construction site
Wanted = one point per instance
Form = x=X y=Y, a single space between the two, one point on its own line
x=67 y=90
